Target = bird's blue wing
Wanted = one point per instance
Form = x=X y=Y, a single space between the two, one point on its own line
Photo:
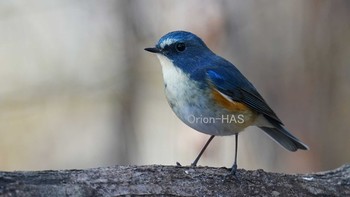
x=229 y=81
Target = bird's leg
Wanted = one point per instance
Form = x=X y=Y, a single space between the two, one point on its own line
x=234 y=166
x=202 y=151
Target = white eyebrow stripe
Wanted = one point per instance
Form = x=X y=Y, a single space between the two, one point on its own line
x=168 y=41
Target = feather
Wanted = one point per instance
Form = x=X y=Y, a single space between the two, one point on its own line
x=229 y=81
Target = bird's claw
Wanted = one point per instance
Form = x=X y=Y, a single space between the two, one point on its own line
x=232 y=174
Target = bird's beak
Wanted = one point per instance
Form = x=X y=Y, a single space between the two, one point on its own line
x=153 y=50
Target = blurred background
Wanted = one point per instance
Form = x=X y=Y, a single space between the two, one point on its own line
x=77 y=90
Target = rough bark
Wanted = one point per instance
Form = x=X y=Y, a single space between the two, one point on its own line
x=173 y=181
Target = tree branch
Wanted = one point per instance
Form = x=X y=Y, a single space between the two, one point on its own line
x=173 y=181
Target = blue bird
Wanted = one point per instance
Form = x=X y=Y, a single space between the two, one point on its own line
x=209 y=94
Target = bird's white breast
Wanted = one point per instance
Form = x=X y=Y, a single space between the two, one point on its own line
x=180 y=91
x=175 y=79
x=189 y=101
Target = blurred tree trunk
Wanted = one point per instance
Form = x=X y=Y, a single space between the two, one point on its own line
x=125 y=132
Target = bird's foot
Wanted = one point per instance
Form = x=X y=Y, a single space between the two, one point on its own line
x=234 y=169
x=232 y=174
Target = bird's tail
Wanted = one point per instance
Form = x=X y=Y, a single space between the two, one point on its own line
x=285 y=138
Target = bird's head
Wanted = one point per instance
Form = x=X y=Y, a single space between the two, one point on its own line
x=184 y=49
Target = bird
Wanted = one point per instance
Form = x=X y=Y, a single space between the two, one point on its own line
x=209 y=94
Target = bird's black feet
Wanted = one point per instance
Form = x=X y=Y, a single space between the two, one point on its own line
x=234 y=169
x=178 y=164
x=232 y=174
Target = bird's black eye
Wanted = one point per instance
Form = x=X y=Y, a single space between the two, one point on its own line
x=180 y=47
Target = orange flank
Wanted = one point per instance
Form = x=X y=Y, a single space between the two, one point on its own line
x=229 y=104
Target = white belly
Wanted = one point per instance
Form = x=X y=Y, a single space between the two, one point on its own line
x=194 y=109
